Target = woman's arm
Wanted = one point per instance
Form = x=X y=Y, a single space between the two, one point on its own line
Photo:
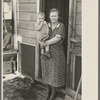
x=53 y=40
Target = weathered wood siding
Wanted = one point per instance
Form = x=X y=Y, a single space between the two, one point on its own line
x=74 y=43
x=26 y=18
x=26 y=12
x=78 y=24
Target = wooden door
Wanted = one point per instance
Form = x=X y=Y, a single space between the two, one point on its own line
x=74 y=44
x=26 y=14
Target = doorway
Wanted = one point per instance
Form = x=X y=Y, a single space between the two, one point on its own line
x=63 y=7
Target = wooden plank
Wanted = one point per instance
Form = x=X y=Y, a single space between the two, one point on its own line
x=78 y=49
x=29 y=41
x=26 y=16
x=79 y=0
x=15 y=24
x=37 y=61
x=79 y=18
x=26 y=1
x=75 y=52
x=73 y=73
x=79 y=29
x=71 y=70
x=26 y=25
x=26 y=33
x=72 y=93
x=19 y=58
x=78 y=39
x=79 y=7
x=74 y=16
x=28 y=7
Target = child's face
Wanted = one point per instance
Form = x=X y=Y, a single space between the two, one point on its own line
x=40 y=18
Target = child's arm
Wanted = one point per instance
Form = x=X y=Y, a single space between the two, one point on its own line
x=38 y=26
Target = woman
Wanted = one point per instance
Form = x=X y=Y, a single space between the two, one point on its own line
x=53 y=68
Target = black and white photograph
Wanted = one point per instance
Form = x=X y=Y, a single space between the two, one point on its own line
x=36 y=65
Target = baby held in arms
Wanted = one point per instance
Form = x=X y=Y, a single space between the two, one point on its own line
x=42 y=33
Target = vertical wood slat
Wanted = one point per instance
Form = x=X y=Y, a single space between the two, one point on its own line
x=74 y=16
x=73 y=72
x=19 y=58
x=78 y=18
x=69 y=36
x=37 y=61
x=15 y=24
x=79 y=7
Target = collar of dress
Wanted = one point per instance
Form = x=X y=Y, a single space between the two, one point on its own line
x=55 y=27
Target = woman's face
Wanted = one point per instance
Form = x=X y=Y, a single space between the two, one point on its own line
x=54 y=17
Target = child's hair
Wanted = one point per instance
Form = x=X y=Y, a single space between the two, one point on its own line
x=41 y=13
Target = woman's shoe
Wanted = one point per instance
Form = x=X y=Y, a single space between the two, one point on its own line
x=53 y=94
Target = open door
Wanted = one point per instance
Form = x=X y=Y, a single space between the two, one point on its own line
x=25 y=17
x=74 y=57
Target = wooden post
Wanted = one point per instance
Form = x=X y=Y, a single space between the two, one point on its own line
x=73 y=72
x=37 y=61
x=69 y=35
x=15 y=23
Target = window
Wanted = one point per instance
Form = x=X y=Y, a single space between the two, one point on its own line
x=7 y=25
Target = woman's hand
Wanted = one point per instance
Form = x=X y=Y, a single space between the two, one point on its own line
x=43 y=44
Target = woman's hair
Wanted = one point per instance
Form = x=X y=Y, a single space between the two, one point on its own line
x=54 y=10
x=41 y=13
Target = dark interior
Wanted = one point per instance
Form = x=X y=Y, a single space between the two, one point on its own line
x=63 y=7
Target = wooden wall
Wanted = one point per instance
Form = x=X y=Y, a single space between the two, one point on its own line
x=74 y=44
x=26 y=12
x=78 y=24
x=26 y=17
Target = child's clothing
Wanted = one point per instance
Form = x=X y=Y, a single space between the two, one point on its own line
x=42 y=34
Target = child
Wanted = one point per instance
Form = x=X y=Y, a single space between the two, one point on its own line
x=42 y=33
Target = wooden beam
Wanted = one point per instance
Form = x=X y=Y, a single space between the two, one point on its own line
x=27 y=16
x=30 y=41
x=19 y=58
x=15 y=24
x=73 y=72
x=27 y=7
x=27 y=33
x=27 y=1
x=26 y=25
x=37 y=61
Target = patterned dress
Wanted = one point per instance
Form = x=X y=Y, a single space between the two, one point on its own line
x=53 y=69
